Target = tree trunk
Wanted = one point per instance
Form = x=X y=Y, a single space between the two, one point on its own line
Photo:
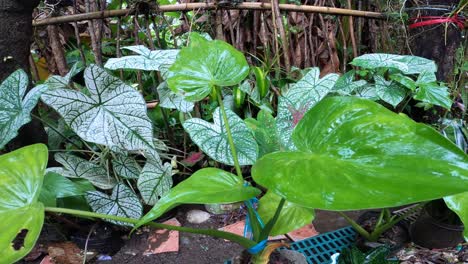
x=15 y=41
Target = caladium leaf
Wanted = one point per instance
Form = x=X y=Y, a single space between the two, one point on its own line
x=345 y=85
x=434 y=94
x=213 y=139
x=123 y=202
x=113 y=114
x=170 y=99
x=155 y=180
x=264 y=129
x=22 y=216
x=146 y=60
x=389 y=91
x=426 y=77
x=59 y=82
x=292 y=216
x=298 y=100
x=459 y=204
x=405 y=63
x=15 y=107
x=205 y=64
x=206 y=186
x=126 y=166
x=75 y=167
x=355 y=154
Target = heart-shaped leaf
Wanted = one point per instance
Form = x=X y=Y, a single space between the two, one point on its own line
x=204 y=65
x=459 y=204
x=356 y=154
x=213 y=139
x=292 y=216
x=126 y=166
x=206 y=186
x=75 y=167
x=155 y=180
x=113 y=114
x=170 y=99
x=389 y=91
x=15 y=107
x=123 y=202
x=264 y=132
x=298 y=100
x=345 y=85
x=22 y=216
x=405 y=63
x=146 y=60
x=434 y=94
x=59 y=82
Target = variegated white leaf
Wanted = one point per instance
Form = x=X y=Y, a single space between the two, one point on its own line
x=345 y=85
x=123 y=202
x=75 y=167
x=171 y=100
x=389 y=91
x=155 y=180
x=302 y=96
x=15 y=108
x=126 y=166
x=213 y=140
x=58 y=82
x=405 y=63
x=113 y=114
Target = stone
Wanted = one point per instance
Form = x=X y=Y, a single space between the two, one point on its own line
x=197 y=216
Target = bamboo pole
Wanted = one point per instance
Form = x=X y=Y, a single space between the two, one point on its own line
x=210 y=6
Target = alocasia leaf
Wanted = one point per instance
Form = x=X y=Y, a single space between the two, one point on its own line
x=59 y=82
x=75 y=167
x=155 y=180
x=206 y=186
x=123 y=202
x=298 y=100
x=204 y=65
x=111 y=114
x=22 y=216
x=434 y=94
x=264 y=129
x=345 y=85
x=213 y=139
x=15 y=107
x=170 y=99
x=146 y=60
x=405 y=63
x=57 y=186
x=126 y=166
x=292 y=216
x=389 y=91
x=459 y=204
x=356 y=154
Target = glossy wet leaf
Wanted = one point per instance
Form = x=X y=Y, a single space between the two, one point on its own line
x=21 y=175
x=75 y=167
x=405 y=63
x=57 y=186
x=112 y=113
x=204 y=65
x=155 y=180
x=123 y=202
x=170 y=99
x=346 y=84
x=59 y=82
x=389 y=91
x=291 y=217
x=146 y=60
x=459 y=204
x=434 y=94
x=264 y=130
x=355 y=154
x=126 y=166
x=15 y=106
x=212 y=138
x=206 y=186
x=302 y=96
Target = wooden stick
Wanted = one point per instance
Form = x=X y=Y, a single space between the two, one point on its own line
x=211 y=6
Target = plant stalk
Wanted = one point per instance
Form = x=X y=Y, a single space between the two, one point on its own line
x=247 y=243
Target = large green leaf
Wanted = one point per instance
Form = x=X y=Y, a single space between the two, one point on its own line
x=405 y=63
x=204 y=65
x=292 y=216
x=356 y=154
x=459 y=204
x=213 y=139
x=434 y=94
x=123 y=202
x=146 y=60
x=389 y=91
x=206 y=186
x=298 y=100
x=21 y=174
x=75 y=167
x=111 y=113
x=264 y=129
x=57 y=186
x=170 y=99
x=155 y=180
x=15 y=107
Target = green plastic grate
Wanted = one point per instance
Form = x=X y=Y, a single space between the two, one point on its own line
x=319 y=249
